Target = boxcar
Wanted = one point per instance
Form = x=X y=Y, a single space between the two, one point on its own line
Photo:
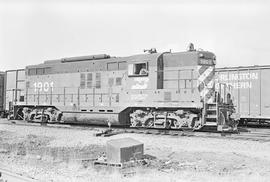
x=251 y=88
x=14 y=89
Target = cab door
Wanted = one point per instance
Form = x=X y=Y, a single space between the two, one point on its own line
x=160 y=72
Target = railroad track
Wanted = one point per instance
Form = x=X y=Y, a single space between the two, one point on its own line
x=253 y=134
x=10 y=176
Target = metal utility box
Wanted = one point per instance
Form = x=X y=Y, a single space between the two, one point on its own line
x=123 y=150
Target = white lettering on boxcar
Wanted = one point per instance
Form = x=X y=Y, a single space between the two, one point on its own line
x=238 y=80
x=238 y=77
x=43 y=86
x=241 y=85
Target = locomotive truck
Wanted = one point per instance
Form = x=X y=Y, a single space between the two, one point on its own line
x=153 y=90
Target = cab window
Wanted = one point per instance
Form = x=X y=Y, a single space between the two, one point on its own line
x=138 y=69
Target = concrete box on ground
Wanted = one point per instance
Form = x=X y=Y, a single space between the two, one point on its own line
x=123 y=150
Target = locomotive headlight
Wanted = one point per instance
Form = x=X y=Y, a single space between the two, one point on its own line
x=201 y=55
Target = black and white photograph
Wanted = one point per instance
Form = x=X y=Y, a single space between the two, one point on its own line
x=134 y=91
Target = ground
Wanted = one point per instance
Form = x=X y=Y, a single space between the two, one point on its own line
x=62 y=154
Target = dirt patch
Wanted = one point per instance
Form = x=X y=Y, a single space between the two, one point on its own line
x=50 y=154
x=23 y=145
x=32 y=156
x=79 y=153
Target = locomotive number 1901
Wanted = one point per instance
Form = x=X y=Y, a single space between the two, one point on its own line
x=43 y=86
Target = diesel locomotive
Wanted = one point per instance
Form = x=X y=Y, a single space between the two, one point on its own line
x=153 y=90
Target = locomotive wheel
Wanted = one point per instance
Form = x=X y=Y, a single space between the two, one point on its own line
x=2 y=114
x=168 y=123
x=135 y=123
x=192 y=123
x=149 y=123
x=39 y=118
x=20 y=116
x=43 y=119
x=178 y=123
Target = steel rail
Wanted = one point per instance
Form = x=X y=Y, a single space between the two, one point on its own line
x=249 y=134
x=16 y=175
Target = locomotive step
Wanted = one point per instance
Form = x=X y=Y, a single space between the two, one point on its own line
x=212 y=107
x=210 y=123
x=211 y=116
x=212 y=103
x=211 y=110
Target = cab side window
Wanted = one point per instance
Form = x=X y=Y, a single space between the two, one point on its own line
x=138 y=69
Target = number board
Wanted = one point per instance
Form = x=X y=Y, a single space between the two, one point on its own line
x=206 y=62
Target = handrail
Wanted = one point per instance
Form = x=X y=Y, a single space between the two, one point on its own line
x=223 y=90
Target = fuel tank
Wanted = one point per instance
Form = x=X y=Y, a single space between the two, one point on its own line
x=93 y=118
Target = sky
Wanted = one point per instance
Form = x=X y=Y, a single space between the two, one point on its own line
x=32 y=31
